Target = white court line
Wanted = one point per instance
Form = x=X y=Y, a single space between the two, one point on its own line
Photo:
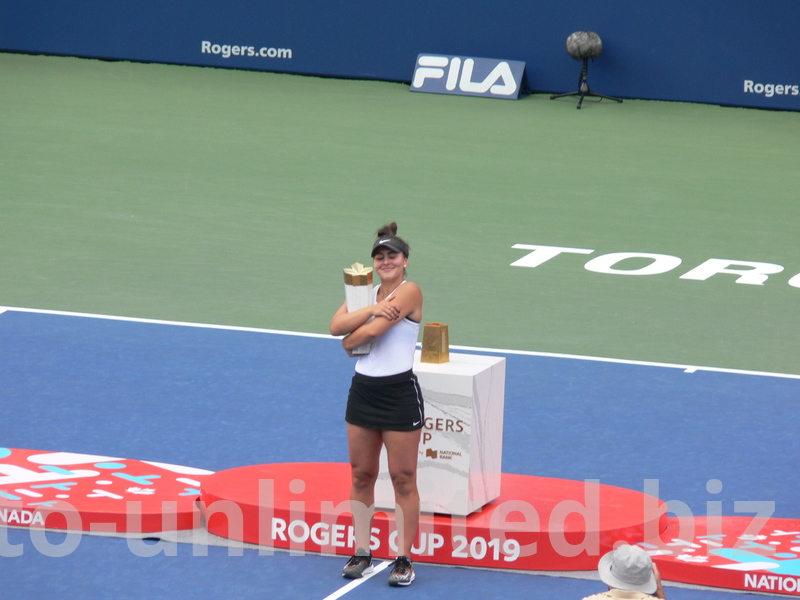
x=64 y=313
x=356 y=582
x=685 y=368
x=623 y=361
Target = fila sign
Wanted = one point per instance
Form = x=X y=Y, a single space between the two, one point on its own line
x=467 y=76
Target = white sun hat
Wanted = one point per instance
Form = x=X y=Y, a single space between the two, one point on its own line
x=628 y=568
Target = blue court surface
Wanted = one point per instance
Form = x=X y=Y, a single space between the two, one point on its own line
x=218 y=398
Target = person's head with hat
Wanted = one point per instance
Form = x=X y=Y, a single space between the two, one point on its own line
x=387 y=239
x=629 y=572
x=389 y=248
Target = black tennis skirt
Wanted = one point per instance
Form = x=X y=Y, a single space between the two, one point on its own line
x=394 y=402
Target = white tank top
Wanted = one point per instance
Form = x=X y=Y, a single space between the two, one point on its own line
x=393 y=352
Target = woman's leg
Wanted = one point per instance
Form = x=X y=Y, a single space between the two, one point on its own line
x=401 y=451
x=365 y=451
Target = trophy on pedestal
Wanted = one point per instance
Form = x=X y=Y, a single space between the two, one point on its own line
x=435 y=343
x=358 y=293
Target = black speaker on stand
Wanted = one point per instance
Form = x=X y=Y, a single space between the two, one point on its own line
x=583 y=45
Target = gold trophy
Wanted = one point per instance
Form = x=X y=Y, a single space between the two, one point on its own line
x=435 y=343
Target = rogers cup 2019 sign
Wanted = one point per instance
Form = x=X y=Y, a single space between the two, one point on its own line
x=465 y=76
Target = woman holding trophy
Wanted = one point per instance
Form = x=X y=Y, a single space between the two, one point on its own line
x=384 y=405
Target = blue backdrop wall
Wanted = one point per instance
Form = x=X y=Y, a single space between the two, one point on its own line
x=734 y=53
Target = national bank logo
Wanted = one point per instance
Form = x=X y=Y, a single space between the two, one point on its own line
x=490 y=77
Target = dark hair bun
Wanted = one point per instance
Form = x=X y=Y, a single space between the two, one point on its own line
x=387 y=230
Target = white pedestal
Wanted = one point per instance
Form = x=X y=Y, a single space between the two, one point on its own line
x=461 y=450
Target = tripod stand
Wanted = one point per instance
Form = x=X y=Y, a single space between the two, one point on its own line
x=583 y=87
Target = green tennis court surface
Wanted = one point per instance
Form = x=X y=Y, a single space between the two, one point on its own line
x=236 y=198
